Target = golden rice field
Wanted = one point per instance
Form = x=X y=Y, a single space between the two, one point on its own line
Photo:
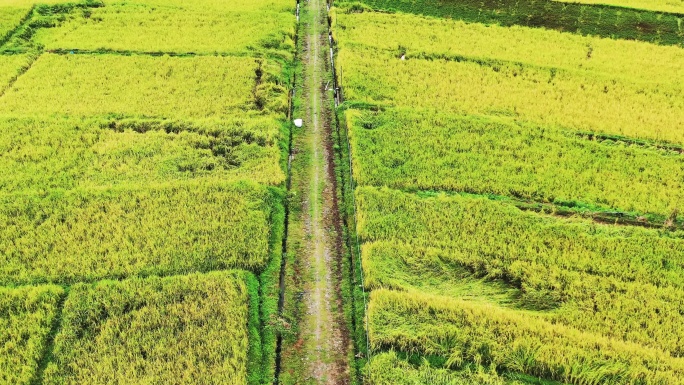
x=509 y=176
x=142 y=189
x=517 y=190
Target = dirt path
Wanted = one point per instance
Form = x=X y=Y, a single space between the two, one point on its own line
x=322 y=346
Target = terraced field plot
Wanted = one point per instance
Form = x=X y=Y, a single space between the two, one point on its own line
x=143 y=174
x=518 y=196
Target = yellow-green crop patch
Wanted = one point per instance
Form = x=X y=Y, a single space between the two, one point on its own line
x=516 y=189
x=212 y=5
x=40 y=155
x=388 y=368
x=674 y=6
x=546 y=96
x=10 y=17
x=135 y=86
x=13 y=12
x=176 y=330
x=85 y=235
x=465 y=331
x=176 y=28
x=142 y=139
x=435 y=37
x=10 y=68
x=30 y=3
x=625 y=283
x=26 y=318
x=429 y=150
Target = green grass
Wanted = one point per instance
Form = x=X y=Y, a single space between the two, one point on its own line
x=26 y=318
x=174 y=330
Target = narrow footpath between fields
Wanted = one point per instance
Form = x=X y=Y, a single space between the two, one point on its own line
x=318 y=350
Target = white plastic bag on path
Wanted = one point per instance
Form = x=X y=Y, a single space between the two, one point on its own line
x=298 y=122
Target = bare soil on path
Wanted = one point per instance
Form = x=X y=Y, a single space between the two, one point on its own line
x=321 y=351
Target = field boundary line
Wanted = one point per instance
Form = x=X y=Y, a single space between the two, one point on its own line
x=48 y=351
x=31 y=61
x=604 y=216
x=358 y=261
x=116 y=52
x=282 y=276
x=22 y=23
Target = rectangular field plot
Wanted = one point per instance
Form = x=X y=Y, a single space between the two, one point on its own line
x=429 y=150
x=582 y=19
x=210 y=5
x=176 y=330
x=26 y=318
x=136 y=86
x=435 y=37
x=545 y=96
x=175 y=28
x=464 y=331
x=626 y=283
x=674 y=6
x=85 y=235
x=40 y=155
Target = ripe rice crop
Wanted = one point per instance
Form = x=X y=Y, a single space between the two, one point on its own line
x=39 y=155
x=623 y=282
x=134 y=86
x=175 y=330
x=581 y=19
x=89 y=234
x=211 y=5
x=26 y=317
x=10 y=66
x=29 y=3
x=675 y=6
x=546 y=96
x=176 y=28
x=389 y=369
x=10 y=17
x=428 y=150
x=435 y=37
x=472 y=147
x=463 y=331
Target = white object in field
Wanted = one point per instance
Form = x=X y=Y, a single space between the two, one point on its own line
x=403 y=57
x=298 y=122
